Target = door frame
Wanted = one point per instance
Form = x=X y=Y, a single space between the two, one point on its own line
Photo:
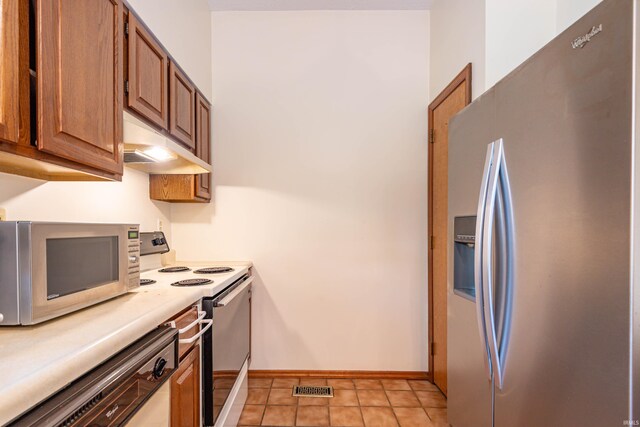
x=462 y=77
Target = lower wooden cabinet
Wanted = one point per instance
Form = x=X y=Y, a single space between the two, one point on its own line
x=185 y=391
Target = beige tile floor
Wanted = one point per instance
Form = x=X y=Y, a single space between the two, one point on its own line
x=356 y=402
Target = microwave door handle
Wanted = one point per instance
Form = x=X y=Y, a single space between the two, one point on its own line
x=194 y=338
x=228 y=298
x=478 y=259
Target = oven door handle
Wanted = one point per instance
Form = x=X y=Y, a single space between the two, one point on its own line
x=201 y=315
x=227 y=299
x=194 y=338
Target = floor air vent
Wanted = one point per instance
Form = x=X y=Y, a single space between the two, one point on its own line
x=312 y=391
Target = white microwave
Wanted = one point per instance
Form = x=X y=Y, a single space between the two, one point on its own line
x=50 y=269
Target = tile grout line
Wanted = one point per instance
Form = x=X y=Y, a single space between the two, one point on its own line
x=266 y=403
x=295 y=416
x=391 y=406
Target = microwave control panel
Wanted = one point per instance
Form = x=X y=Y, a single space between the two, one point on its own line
x=133 y=246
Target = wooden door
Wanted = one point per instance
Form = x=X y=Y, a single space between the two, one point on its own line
x=453 y=99
x=79 y=69
x=182 y=100
x=185 y=391
x=9 y=70
x=203 y=145
x=147 y=75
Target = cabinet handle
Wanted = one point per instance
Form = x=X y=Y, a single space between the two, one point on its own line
x=194 y=338
x=201 y=315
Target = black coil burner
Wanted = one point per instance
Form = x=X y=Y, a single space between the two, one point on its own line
x=192 y=282
x=174 y=269
x=213 y=270
x=147 y=282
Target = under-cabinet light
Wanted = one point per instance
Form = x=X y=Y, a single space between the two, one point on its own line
x=159 y=154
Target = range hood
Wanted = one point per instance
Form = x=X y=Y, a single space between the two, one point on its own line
x=148 y=150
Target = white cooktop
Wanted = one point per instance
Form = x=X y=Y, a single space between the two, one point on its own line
x=220 y=280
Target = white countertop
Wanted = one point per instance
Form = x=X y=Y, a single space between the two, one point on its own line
x=36 y=361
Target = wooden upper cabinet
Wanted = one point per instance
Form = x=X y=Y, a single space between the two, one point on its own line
x=189 y=188
x=185 y=391
x=203 y=145
x=147 y=75
x=182 y=99
x=79 y=68
x=9 y=70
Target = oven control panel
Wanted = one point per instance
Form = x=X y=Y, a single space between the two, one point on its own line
x=154 y=242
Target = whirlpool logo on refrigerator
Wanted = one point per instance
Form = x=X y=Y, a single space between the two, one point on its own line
x=581 y=41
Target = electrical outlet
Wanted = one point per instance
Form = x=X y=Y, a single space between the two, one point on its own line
x=159 y=225
x=3 y=214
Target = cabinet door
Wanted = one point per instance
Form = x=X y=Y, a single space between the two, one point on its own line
x=203 y=186
x=148 y=75
x=203 y=145
x=185 y=391
x=182 y=100
x=9 y=70
x=79 y=69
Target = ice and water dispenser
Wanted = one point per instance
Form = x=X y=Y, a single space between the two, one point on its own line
x=464 y=238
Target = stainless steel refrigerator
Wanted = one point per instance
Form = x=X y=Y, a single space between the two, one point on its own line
x=544 y=232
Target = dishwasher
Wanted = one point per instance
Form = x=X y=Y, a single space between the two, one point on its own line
x=129 y=389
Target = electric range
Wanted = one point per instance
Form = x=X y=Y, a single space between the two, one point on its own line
x=226 y=297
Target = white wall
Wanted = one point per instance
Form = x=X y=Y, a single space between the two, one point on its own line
x=568 y=11
x=319 y=151
x=515 y=30
x=494 y=35
x=457 y=38
x=184 y=28
x=122 y=202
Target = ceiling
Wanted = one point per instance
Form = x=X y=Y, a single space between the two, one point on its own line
x=319 y=4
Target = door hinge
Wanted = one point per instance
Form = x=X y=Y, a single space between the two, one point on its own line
x=126 y=87
x=433 y=348
x=432 y=136
x=126 y=29
x=432 y=242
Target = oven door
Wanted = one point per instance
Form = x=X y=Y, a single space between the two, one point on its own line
x=66 y=267
x=231 y=344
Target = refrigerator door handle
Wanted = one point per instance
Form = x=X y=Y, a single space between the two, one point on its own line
x=507 y=262
x=487 y=263
x=478 y=259
x=498 y=196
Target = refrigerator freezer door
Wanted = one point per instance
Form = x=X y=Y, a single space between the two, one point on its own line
x=565 y=119
x=469 y=384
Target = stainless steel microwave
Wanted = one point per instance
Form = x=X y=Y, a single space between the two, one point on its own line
x=51 y=269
